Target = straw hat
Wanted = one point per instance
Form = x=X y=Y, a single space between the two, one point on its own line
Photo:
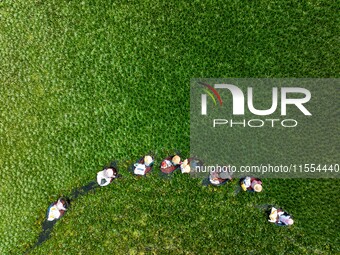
x=148 y=160
x=257 y=187
x=185 y=167
x=176 y=160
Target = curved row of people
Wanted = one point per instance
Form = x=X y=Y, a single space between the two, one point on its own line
x=145 y=164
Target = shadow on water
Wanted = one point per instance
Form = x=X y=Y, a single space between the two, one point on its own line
x=47 y=226
x=81 y=191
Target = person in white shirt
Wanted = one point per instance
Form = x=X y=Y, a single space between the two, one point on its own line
x=106 y=176
x=54 y=212
x=57 y=209
x=143 y=166
x=280 y=218
x=220 y=177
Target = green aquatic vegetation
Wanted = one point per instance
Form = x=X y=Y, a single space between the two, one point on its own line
x=86 y=82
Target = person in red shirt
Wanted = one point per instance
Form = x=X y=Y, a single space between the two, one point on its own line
x=170 y=164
